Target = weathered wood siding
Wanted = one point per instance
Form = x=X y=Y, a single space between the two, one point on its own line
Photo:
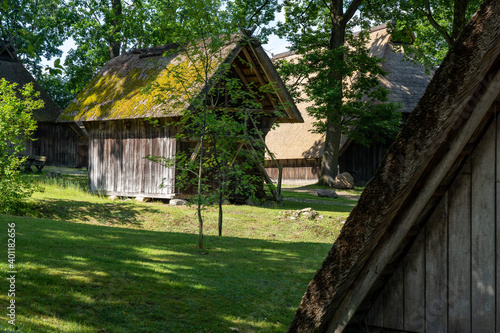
x=58 y=142
x=296 y=169
x=360 y=161
x=117 y=151
x=448 y=282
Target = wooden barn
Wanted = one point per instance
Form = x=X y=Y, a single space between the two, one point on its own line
x=62 y=144
x=117 y=110
x=301 y=161
x=419 y=253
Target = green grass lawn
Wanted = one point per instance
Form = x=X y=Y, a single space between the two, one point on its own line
x=89 y=264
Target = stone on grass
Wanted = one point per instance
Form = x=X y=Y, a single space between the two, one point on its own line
x=113 y=197
x=142 y=199
x=327 y=194
x=344 y=181
x=178 y=202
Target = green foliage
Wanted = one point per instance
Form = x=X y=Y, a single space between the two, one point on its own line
x=360 y=104
x=36 y=28
x=16 y=126
x=424 y=29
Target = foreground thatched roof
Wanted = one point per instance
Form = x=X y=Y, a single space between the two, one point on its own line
x=450 y=117
x=144 y=83
x=12 y=70
x=405 y=80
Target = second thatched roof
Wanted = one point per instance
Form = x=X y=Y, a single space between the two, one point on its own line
x=405 y=80
x=12 y=70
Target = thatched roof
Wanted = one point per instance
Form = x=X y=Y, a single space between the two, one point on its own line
x=12 y=70
x=445 y=126
x=405 y=80
x=136 y=84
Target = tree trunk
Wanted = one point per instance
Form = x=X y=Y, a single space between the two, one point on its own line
x=114 y=44
x=459 y=14
x=330 y=159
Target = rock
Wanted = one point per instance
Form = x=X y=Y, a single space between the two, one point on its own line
x=344 y=181
x=327 y=194
x=178 y=202
x=308 y=209
x=142 y=199
x=53 y=174
x=113 y=197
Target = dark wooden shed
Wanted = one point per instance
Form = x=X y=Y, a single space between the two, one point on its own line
x=62 y=144
x=117 y=111
x=419 y=253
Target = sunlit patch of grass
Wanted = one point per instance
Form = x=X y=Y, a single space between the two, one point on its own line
x=93 y=264
x=76 y=277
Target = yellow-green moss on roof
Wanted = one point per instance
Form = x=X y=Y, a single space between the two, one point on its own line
x=144 y=83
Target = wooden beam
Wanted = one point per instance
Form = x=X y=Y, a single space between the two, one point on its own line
x=259 y=75
x=270 y=79
x=243 y=78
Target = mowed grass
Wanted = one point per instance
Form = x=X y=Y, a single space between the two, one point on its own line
x=89 y=264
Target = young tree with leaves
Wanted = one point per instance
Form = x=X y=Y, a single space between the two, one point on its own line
x=217 y=167
x=337 y=74
x=16 y=127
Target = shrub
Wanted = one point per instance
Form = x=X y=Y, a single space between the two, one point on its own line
x=16 y=127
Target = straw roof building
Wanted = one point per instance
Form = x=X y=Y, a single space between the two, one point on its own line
x=301 y=161
x=116 y=109
x=62 y=144
x=419 y=253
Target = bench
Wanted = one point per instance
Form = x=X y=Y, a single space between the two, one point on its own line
x=36 y=161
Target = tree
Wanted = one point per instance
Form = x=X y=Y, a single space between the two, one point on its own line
x=16 y=126
x=217 y=120
x=34 y=28
x=338 y=75
x=426 y=29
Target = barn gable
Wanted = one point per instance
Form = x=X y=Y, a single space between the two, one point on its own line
x=425 y=226
x=447 y=279
x=116 y=107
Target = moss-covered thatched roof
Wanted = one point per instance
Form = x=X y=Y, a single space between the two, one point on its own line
x=157 y=82
x=12 y=70
x=453 y=113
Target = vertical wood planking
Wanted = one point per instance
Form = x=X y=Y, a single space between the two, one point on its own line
x=459 y=251
x=117 y=154
x=436 y=269
x=483 y=234
x=376 y=313
x=394 y=301
x=497 y=217
x=414 y=282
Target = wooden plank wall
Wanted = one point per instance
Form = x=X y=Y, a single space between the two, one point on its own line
x=117 y=164
x=360 y=161
x=448 y=281
x=296 y=169
x=58 y=142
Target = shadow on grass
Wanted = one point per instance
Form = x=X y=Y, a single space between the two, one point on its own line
x=124 y=280
x=110 y=213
